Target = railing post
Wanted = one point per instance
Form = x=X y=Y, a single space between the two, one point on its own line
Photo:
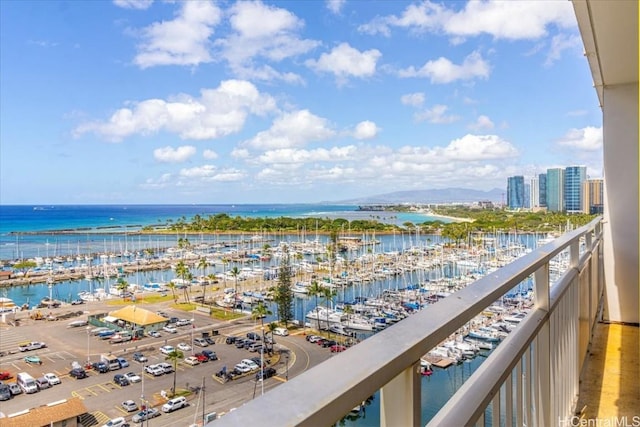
x=542 y=398
x=400 y=399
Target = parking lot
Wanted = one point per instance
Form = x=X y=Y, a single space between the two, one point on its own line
x=103 y=398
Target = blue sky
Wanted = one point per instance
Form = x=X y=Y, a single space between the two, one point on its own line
x=141 y=101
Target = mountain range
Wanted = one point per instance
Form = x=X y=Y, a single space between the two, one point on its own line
x=442 y=195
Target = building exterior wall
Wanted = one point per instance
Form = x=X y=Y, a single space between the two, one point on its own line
x=515 y=192
x=534 y=193
x=542 y=189
x=555 y=190
x=593 y=196
x=574 y=176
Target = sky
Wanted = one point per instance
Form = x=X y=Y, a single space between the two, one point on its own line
x=172 y=102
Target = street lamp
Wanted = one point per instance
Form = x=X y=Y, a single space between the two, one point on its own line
x=88 y=328
x=287 y=370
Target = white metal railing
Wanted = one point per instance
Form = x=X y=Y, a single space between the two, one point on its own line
x=530 y=379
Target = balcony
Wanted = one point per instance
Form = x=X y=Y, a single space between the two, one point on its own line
x=574 y=359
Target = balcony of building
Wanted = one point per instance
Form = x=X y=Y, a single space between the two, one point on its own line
x=573 y=360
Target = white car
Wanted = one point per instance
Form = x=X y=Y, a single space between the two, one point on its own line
x=191 y=360
x=170 y=329
x=129 y=405
x=251 y=364
x=166 y=367
x=154 y=370
x=166 y=349
x=184 y=346
x=133 y=377
x=52 y=378
x=116 y=422
x=242 y=368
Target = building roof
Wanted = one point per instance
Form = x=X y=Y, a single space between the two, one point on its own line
x=137 y=315
x=45 y=415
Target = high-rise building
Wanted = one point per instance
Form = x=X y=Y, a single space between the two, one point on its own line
x=574 y=176
x=534 y=193
x=515 y=192
x=542 y=189
x=555 y=190
x=592 y=196
x=527 y=196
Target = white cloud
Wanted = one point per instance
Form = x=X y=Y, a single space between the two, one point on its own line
x=512 y=20
x=263 y=32
x=587 y=139
x=482 y=123
x=292 y=130
x=344 y=61
x=199 y=172
x=240 y=153
x=181 y=41
x=366 y=130
x=442 y=70
x=413 y=99
x=291 y=156
x=174 y=155
x=229 y=175
x=216 y=113
x=335 y=6
x=209 y=154
x=479 y=147
x=437 y=115
x=133 y=4
x=559 y=43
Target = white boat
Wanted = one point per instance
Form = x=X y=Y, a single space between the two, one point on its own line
x=340 y=329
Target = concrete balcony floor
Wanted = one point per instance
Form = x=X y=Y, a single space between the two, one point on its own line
x=610 y=386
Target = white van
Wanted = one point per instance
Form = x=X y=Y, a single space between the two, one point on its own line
x=27 y=383
x=283 y=332
x=175 y=403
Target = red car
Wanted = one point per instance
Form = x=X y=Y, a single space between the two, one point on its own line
x=337 y=348
x=4 y=375
x=202 y=358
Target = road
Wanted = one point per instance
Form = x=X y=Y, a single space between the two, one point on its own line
x=103 y=398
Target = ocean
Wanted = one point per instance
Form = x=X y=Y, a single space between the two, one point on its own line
x=105 y=227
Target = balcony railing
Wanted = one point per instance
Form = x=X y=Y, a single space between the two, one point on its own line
x=531 y=378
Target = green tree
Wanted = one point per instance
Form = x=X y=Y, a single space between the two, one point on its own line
x=261 y=311
x=315 y=290
x=172 y=286
x=328 y=294
x=174 y=357
x=122 y=285
x=235 y=272
x=182 y=270
x=283 y=294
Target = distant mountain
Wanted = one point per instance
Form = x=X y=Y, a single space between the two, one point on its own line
x=443 y=195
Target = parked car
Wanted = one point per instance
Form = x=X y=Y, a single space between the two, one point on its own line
x=5 y=375
x=174 y=404
x=211 y=355
x=240 y=342
x=154 y=334
x=283 y=332
x=242 y=368
x=337 y=348
x=33 y=345
x=154 y=370
x=5 y=392
x=184 y=346
x=251 y=364
x=129 y=405
x=145 y=414
x=133 y=377
x=52 y=378
x=15 y=389
x=255 y=347
x=209 y=340
x=192 y=360
x=328 y=343
x=100 y=367
x=166 y=367
x=77 y=302
x=265 y=373
x=116 y=422
x=121 y=380
x=170 y=329
x=201 y=357
x=123 y=362
x=200 y=342
x=42 y=383
x=231 y=340
x=139 y=357
x=313 y=338
x=166 y=349
x=183 y=322
x=253 y=336
x=78 y=373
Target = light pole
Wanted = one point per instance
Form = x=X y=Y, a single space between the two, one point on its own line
x=287 y=367
x=88 y=340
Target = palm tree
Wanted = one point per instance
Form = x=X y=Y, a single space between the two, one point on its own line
x=174 y=356
x=121 y=286
x=235 y=272
x=316 y=290
x=203 y=264
x=328 y=294
x=183 y=272
x=172 y=286
x=212 y=279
